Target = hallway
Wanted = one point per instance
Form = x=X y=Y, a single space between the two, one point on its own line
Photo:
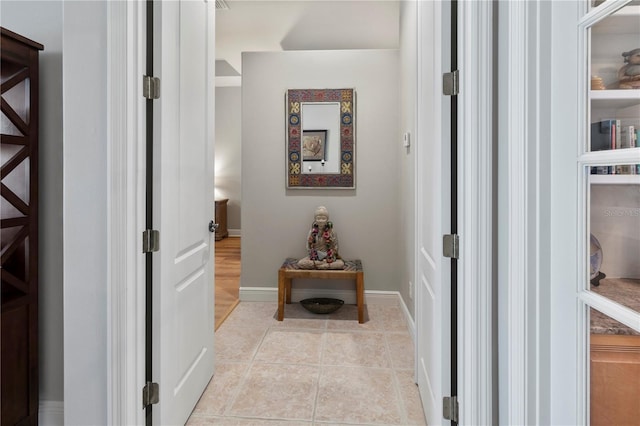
x=311 y=369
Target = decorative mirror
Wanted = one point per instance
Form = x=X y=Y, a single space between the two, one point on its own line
x=321 y=138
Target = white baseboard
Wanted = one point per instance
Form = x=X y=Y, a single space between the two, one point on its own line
x=270 y=294
x=234 y=232
x=51 y=413
x=377 y=297
x=258 y=294
x=407 y=316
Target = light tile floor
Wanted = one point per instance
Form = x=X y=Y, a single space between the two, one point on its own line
x=312 y=369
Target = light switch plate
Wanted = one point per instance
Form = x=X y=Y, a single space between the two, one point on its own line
x=406 y=140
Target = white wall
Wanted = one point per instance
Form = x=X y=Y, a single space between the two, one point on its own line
x=275 y=221
x=85 y=212
x=41 y=21
x=406 y=204
x=228 y=152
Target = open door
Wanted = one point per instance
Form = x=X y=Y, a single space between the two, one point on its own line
x=434 y=366
x=183 y=206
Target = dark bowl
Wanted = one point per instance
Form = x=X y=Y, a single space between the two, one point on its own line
x=321 y=305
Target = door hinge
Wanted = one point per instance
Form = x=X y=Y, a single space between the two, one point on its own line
x=150 y=87
x=451 y=246
x=150 y=241
x=150 y=394
x=450 y=83
x=450 y=408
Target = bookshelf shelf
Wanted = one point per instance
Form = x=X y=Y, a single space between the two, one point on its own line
x=615 y=98
x=616 y=94
x=614 y=179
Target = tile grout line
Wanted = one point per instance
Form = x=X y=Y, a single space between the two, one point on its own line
x=323 y=344
x=404 y=415
x=399 y=400
x=234 y=395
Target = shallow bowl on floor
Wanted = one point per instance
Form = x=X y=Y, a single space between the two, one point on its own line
x=322 y=305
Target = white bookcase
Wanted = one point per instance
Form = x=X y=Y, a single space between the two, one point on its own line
x=612 y=203
x=614 y=28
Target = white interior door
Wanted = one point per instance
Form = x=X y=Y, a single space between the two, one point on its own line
x=183 y=317
x=433 y=299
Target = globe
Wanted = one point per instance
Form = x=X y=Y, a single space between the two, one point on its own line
x=595 y=257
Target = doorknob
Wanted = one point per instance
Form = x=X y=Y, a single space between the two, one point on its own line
x=213 y=226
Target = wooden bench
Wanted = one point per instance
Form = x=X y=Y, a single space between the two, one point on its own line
x=289 y=270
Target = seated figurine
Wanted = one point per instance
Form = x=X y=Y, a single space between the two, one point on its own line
x=629 y=74
x=322 y=244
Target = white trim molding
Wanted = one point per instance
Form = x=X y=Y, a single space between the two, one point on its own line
x=51 y=413
x=258 y=294
x=125 y=163
x=270 y=294
x=475 y=195
x=524 y=228
x=411 y=324
x=235 y=233
x=514 y=401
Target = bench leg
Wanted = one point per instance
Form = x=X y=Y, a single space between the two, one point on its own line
x=281 y=295
x=360 y=296
x=287 y=284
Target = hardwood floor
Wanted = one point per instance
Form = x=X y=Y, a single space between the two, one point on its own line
x=227 y=291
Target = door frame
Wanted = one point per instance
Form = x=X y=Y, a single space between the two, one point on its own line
x=477 y=326
x=126 y=35
x=477 y=208
x=126 y=169
x=525 y=237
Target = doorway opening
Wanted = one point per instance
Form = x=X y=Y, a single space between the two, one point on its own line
x=228 y=200
x=227 y=278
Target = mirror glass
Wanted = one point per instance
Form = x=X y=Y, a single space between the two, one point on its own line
x=321 y=138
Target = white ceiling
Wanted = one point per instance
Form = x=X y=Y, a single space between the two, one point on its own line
x=265 y=25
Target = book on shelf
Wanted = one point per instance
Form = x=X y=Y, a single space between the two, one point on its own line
x=615 y=134
x=627 y=140
x=627 y=137
x=603 y=135
x=600 y=170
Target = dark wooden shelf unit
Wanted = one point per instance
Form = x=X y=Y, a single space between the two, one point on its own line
x=221 y=219
x=19 y=230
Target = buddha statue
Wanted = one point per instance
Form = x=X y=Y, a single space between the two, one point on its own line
x=322 y=244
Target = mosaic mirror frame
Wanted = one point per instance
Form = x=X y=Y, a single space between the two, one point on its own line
x=344 y=175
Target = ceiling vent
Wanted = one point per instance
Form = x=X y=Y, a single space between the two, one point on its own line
x=221 y=5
